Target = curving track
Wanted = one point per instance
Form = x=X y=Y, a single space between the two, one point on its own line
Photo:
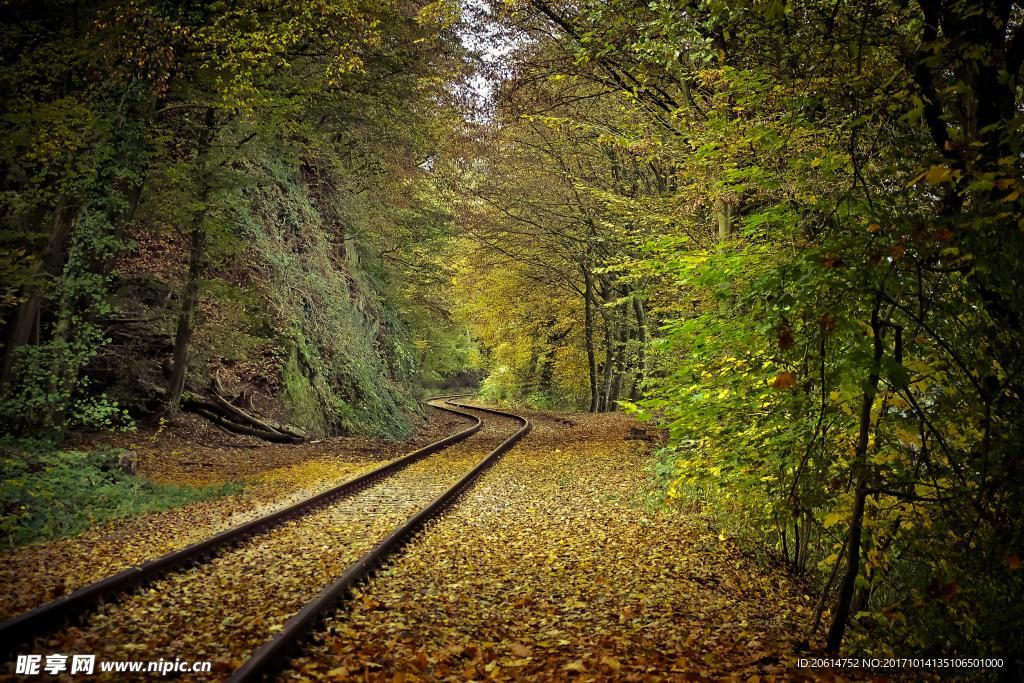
x=243 y=598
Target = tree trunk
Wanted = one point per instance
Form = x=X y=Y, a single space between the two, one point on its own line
x=547 y=368
x=588 y=333
x=197 y=244
x=641 y=335
x=619 y=371
x=853 y=546
x=186 y=317
x=609 y=363
x=532 y=380
x=25 y=326
x=723 y=213
x=61 y=376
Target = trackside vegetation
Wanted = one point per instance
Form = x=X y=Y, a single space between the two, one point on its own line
x=792 y=235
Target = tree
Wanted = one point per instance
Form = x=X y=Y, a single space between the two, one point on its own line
x=166 y=116
x=826 y=226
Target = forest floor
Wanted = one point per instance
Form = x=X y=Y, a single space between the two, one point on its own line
x=191 y=452
x=556 y=564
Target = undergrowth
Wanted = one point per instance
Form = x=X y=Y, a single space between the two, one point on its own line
x=47 y=493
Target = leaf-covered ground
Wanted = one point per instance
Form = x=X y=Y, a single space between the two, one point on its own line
x=222 y=610
x=553 y=567
x=274 y=475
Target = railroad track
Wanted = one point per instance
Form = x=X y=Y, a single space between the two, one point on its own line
x=335 y=539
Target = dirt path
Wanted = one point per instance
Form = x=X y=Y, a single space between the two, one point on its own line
x=553 y=567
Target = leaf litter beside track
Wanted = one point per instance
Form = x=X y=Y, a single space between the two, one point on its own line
x=223 y=609
x=37 y=573
x=550 y=568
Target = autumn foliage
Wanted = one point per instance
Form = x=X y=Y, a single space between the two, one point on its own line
x=818 y=208
x=788 y=235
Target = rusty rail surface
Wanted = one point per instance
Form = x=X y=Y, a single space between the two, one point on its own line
x=273 y=653
x=65 y=609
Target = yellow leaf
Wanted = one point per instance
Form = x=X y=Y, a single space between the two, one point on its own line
x=576 y=666
x=520 y=650
x=938 y=174
x=828 y=561
x=833 y=518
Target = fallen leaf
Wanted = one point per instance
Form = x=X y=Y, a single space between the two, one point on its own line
x=520 y=650
x=575 y=665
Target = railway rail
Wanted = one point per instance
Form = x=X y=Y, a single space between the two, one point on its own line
x=271 y=653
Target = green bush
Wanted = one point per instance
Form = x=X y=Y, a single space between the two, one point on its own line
x=47 y=493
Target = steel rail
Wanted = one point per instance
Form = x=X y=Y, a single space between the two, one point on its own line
x=64 y=609
x=272 y=654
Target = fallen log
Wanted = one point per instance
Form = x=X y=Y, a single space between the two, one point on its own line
x=261 y=422
x=193 y=407
x=231 y=421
